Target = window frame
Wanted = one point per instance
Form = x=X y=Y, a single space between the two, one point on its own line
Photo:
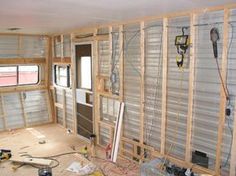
x=17 y=76
x=91 y=76
x=68 y=71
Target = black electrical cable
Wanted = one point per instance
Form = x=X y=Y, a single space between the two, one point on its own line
x=231 y=142
x=225 y=88
x=229 y=103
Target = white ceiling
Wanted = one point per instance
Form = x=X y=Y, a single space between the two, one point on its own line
x=51 y=16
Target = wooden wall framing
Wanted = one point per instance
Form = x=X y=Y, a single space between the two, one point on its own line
x=98 y=83
x=51 y=59
x=19 y=59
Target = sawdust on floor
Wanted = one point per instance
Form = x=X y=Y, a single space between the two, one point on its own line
x=57 y=141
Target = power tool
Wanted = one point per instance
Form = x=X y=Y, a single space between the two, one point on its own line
x=182 y=44
x=45 y=171
x=5 y=154
x=215 y=36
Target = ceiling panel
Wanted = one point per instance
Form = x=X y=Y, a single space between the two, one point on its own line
x=51 y=16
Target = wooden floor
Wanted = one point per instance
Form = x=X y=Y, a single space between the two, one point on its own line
x=26 y=141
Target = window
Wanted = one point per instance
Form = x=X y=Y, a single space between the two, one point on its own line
x=19 y=75
x=86 y=72
x=8 y=76
x=28 y=74
x=62 y=75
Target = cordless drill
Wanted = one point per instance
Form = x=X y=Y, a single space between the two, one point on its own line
x=5 y=154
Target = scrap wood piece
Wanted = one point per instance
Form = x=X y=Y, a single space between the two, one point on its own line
x=117 y=133
x=24 y=147
x=30 y=160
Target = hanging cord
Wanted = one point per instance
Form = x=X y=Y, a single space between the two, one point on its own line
x=225 y=88
x=228 y=52
x=229 y=102
x=149 y=134
x=231 y=142
x=173 y=144
x=126 y=51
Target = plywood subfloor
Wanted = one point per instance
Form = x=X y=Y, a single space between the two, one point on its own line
x=26 y=141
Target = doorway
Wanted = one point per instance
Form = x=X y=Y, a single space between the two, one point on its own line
x=84 y=89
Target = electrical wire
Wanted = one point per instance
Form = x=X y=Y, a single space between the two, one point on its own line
x=126 y=48
x=225 y=88
x=173 y=143
x=109 y=168
x=229 y=103
x=178 y=27
x=228 y=51
x=231 y=142
x=224 y=85
x=126 y=51
x=114 y=62
x=149 y=134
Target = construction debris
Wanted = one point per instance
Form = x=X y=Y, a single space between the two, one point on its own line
x=29 y=160
x=82 y=170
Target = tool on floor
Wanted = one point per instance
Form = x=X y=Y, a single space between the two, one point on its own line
x=92 y=144
x=5 y=154
x=14 y=168
x=108 y=151
x=84 y=151
x=42 y=141
x=45 y=171
x=96 y=173
x=31 y=160
x=182 y=44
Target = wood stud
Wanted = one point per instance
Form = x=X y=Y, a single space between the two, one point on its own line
x=62 y=46
x=64 y=106
x=121 y=63
x=21 y=98
x=73 y=84
x=164 y=84
x=191 y=87
x=3 y=112
x=121 y=76
x=222 y=94
x=142 y=48
x=96 y=91
x=111 y=54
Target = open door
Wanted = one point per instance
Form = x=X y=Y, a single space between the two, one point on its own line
x=84 y=91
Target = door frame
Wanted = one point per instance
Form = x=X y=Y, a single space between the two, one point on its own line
x=74 y=77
